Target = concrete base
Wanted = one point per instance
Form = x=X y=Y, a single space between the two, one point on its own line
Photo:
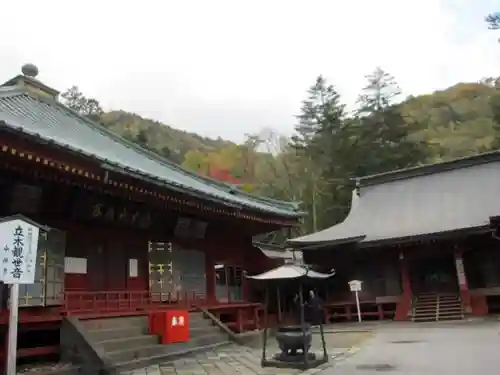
x=294 y=362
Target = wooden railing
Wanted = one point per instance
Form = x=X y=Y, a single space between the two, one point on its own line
x=77 y=302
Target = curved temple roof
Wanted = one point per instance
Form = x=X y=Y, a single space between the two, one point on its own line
x=433 y=200
x=289 y=271
x=44 y=117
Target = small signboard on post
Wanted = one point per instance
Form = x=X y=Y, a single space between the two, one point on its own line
x=355 y=286
x=18 y=249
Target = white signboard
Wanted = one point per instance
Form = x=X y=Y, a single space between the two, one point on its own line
x=355 y=285
x=133 y=267
x=76 y=266
x=18 y=244
x=459 y=263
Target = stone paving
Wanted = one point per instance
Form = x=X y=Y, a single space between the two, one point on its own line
x=245 y=360
x=455 y=348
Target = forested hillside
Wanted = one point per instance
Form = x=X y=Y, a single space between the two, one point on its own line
x=329 y=146
x=167 y=141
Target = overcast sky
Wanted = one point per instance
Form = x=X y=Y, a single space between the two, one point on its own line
x=229 y=67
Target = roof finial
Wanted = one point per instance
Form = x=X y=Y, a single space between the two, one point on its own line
x=30 y=70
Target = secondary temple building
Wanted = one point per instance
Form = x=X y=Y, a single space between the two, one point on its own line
x=126 y=231
x=424 y=241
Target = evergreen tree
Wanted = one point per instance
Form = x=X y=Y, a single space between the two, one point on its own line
x=493 y=20
x=384 y=142
x=321 y=125
x=322 y=141
x=142 y=138
x=73 y=98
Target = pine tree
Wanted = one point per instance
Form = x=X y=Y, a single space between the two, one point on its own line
x=493 y=20
x=74 y=99
x=384 y=141
x=322 y=141
x=321 y=120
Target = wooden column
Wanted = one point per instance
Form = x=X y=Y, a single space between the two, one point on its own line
x=462 y=279
x=405 y=302
x=245 y=286
x=210 y=278
x=405 y=276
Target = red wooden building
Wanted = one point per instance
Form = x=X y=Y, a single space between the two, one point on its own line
x=128 y=230
x=423 y=241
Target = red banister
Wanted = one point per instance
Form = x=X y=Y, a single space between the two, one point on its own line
x=79 y=301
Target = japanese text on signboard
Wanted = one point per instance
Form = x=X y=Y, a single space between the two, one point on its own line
x=177 y=321
x=19 y=242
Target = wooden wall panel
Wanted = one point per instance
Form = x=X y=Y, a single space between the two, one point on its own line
x=115 y=264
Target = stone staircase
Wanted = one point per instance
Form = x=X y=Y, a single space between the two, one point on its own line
x=434 y=307
x=128 y=345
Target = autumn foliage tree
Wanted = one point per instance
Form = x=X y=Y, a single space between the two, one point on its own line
x=232 y=164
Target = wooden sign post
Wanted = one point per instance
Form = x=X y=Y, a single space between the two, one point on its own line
x=355 y=286
x=19 y=243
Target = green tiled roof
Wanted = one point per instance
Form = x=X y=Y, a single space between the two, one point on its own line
x=49 y=120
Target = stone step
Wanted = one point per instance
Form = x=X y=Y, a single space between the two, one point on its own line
x=436 y=296
x=116 y=323
x=176 y=351
x=451 y=307
x=129 y=343
x=199 y=327
x=195 y=320
x=450 y=303
x=131 y=354
x=429 y=302
x=196 y=316
x=116 y=333
x=429 y=294
x=425 y=308
x=451 y=317
x=425 y=311
x=440 y=303
x=136 y=353
x=429 y=309
x=429 y=297
x=452 y=312
x=424 y=319
x=197 y=323
x=195 y=332
x=425 y=316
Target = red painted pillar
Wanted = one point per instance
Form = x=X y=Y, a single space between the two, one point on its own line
x=405 y=303
x=405 y=276
x=245 y=286
x=210 y=278
x=462 y=280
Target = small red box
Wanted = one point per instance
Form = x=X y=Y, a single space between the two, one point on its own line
x=176 y=323
x=157 y=323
